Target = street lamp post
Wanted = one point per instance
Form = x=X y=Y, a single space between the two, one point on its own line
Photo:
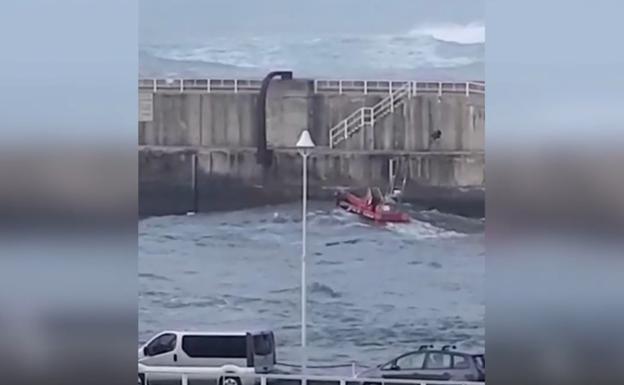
x=304 y=146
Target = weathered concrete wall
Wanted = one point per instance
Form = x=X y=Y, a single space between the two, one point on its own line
x=198 y=152
x=213 y=120
x=165 y=182
x=230 y=120
x=288 y=111
x=180 y=180
x=461 y=120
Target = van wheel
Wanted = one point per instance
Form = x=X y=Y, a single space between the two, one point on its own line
x=229 y=381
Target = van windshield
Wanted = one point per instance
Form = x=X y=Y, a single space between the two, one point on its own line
x=263 y=344
x=215 y=346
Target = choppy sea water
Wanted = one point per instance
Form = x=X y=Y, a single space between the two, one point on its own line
x=374 y=291
x=445 y=51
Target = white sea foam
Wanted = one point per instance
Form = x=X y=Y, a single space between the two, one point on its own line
x=471 y=33
x=422 y=230
x=442 y=46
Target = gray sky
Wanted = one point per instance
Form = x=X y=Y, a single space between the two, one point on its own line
x=191 y=21
x=68 y=70
x=73 y=66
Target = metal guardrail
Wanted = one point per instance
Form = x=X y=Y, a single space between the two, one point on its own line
x=205 y=85
x=264 y=379
x=368 y=115
x=320 y=86
x=350 y=125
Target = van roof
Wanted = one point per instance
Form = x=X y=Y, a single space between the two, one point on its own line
x=215 y=332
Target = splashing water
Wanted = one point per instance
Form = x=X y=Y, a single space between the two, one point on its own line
x=375 y=291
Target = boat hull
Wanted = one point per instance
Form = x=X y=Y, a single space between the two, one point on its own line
x=359 y=206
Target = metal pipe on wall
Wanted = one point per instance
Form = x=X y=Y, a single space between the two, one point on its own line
x=264 y=156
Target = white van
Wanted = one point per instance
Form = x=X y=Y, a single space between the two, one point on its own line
x=243 y=352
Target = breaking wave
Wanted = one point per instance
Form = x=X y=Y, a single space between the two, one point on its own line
x=425 y=50
x=472 y=33
x=423 y=230
x=319 y=288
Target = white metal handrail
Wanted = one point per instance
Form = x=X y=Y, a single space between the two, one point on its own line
x=350 y=125
x=389 y=103
x=320 y=86
x=367 y=116
x=185 y=373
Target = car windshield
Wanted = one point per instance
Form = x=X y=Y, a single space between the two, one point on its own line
x=480 y=359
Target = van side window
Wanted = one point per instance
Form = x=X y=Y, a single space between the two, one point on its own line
x=263 y=344
x=460 y=362
x=162 y=344
x=215 y=346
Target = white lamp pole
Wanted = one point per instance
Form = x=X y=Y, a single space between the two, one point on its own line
x=305 y=146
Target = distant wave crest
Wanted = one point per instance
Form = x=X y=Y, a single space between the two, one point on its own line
x=440 y=50
x=471 y=33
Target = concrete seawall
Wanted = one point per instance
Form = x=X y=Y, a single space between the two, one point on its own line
x=198 y=149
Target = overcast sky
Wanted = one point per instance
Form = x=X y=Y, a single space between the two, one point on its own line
x=89 y=48
x=191 y=21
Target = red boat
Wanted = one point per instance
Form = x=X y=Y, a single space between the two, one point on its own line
x=372 y=206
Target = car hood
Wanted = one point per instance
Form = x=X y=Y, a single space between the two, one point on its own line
x=370 y=373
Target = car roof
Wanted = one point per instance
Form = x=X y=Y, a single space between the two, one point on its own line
x=431 y=350
x=435 y=351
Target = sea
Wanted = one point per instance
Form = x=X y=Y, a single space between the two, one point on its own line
x=374 y=291
x=428 y=51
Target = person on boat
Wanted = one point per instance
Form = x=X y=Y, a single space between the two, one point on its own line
x=338 y=196
x=368 y=197
x=372 y=200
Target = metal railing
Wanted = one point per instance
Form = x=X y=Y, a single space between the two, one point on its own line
x=320 y=86
x=350 y=125
x=184 y=374
x=367 y=116
x=389 y=103
x=202 y=85
x=388 y=87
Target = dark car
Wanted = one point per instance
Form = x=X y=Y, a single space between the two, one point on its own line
x=427 y=363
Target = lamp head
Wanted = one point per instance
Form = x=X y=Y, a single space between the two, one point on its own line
x=305 y=140
x=305 y=143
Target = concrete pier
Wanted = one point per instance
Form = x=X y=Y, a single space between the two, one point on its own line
x=198 y=147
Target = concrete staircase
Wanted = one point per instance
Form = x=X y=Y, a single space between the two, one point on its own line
x=367 y=116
